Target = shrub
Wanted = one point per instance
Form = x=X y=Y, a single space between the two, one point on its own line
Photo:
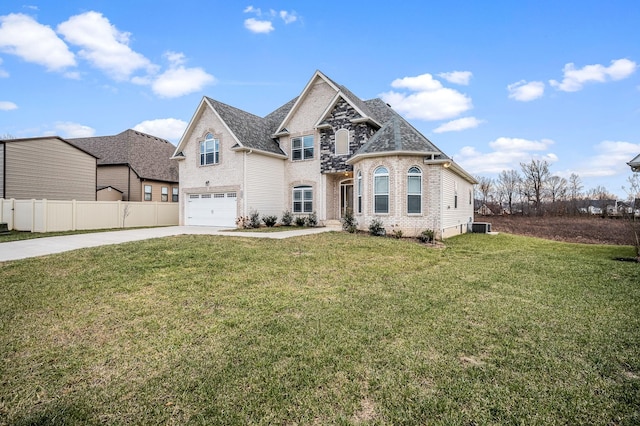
x=349 y=223
x=287 y=218
x=426 y=236
x=254 y=219
x=376 y=228
x=312 y=220
x=300 y=220
x=270 y=221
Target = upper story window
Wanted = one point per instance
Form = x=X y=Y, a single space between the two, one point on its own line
x=302 y=148
x=302 y=199
x=174 y=194
x=414 y=190
x=164 y=193
x=342 y=142
x=381 y=190
x=209 y=150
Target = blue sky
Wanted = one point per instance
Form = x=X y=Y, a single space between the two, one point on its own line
x=491 y=83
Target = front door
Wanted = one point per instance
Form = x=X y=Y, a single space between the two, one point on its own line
x=346 y=197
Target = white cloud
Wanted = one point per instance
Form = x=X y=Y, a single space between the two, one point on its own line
x=264 y=25
x=574 y=79
x=526 y=91
x=457 y=77
x=288 y=17
x=431 y=101
x=179 y=80
x=104 y=46
x=7 y=106
x=257 y=26
x=166 y=128
x=23 y=36
x=506 y=154
x=458 y=125
x=611 y=159
x=74 y=130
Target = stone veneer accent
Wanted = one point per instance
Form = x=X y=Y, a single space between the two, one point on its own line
x=359 y=134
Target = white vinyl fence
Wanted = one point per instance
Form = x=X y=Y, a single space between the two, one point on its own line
x=56 y=216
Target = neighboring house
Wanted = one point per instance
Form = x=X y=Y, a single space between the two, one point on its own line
x=635 y=164
x=46 y=168
x=324 y=152
x=484 y=210
x=134 y=165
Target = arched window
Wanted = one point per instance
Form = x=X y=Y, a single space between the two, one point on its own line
x=303 y=199
x=414 y=190
x=381 y=190
x=342 y=142
x=209 y=150
x=359 y=192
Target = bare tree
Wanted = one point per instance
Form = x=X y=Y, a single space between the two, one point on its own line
x=508 y=182
x=556 y=189
x=7 y=136
x=485 y=185
x=575 y=190
x=535 y=175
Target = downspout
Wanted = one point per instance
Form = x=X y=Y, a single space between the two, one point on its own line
x=129 y=183
x=244 y=183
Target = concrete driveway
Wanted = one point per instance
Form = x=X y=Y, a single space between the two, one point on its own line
x=15 y=250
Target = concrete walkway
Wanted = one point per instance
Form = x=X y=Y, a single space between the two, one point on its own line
x=15 y=250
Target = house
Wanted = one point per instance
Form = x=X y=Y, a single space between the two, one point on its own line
x=324 y=152
x=133 y=166
x=46 y=167
x=635 y=164
x=484 y=210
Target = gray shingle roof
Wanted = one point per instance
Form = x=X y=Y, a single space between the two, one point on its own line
x=396 y=134
x=149 y=156
x=253 y=131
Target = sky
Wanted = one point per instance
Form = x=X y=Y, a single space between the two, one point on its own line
x=493 y=84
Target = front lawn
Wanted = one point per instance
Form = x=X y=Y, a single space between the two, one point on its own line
x=324 y=329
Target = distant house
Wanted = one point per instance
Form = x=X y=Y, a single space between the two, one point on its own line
x=46 y=168
x=484 y=210
x=133 y=166
x=635 y=164
x=326 y=152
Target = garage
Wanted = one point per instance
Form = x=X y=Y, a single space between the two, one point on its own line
x=217 y=209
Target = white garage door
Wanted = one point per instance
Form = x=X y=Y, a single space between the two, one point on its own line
x=218 y=209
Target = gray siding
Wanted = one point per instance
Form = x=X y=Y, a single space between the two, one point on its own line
x=48 y=168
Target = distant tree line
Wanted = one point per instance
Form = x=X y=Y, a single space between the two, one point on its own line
x=534 y=190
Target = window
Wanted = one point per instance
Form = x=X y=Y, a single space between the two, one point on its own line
x=174 y=195
x=302 y=148
x=359 y=192
x=302 y=199
x=147 y=192
x=381 y=190
x=414 y=190
x=342 y=142
x=209 y=150
x=455 y=200
x=164 y=194
x=469 y=197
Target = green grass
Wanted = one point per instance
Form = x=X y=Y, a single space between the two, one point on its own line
x=325 y=329
x=26 y=235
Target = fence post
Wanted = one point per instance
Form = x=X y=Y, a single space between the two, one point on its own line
x=74 y=215
x=45 y=213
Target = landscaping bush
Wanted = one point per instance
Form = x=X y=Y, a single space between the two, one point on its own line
x=426 y=236
x=312 y=220
x=376 y=228
x=349 y=222
x=243 y=222
x=300 y=220
x=270 y=221
x=287 y=218
x=254 y=219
